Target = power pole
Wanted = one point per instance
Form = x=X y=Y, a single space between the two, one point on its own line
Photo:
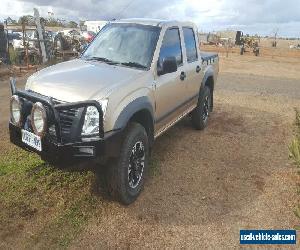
x=7 y=45
x=275 y=37
x=40 y=34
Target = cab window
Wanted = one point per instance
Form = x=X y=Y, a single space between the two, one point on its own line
x=171 y=46
x=190 y=44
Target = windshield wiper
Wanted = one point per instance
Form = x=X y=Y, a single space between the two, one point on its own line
x=102 y=59
x=108 y=61
x=134 y=64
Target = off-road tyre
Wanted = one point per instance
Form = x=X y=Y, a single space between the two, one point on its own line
x=117 y=170
x=200 y=114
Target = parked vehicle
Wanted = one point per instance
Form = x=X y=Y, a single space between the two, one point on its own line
x=30 y=39
x=51 y=35
x=11 y=36
x=137 y=79
x=88 y=35
x=72 y=33
x=69 y=40
x=248 y=42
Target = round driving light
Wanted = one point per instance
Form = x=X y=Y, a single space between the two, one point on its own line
x=39 y=119
x=16 y=110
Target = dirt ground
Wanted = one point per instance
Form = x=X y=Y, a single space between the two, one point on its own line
x=208 y=185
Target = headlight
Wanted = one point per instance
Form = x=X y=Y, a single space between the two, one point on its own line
x=39 y=119
x=91 y=120
x=16 y=110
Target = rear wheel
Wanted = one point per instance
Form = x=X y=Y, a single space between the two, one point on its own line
x=126 y=174
x=201 y=113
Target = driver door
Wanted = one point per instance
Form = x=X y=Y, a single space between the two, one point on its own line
x=170 y=92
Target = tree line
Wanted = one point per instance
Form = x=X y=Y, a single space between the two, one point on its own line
x=50 y=21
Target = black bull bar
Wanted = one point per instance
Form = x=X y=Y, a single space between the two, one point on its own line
x=55 y=108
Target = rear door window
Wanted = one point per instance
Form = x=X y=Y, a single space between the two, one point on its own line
x=190 y=44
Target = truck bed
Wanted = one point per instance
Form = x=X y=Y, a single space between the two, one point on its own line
x=208 y=56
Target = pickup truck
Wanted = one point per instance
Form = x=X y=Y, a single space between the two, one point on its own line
x=136 y=79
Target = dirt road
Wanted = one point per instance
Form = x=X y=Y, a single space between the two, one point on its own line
x=208 y=185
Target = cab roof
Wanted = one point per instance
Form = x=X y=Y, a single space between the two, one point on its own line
x=154 y=22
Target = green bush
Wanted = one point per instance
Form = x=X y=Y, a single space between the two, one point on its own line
x=295 y=145
x=298 y=122
x=295 y=151
x=12 y=55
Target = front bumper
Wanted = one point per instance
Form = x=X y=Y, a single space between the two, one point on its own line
x=63 y=141
x=100 y=149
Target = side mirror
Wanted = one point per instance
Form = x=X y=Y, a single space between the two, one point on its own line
x=166 y=65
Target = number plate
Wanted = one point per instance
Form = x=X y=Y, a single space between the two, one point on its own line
x=32 y=140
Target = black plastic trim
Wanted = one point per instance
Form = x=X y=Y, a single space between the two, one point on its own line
x=103 y=148
x=133 y=107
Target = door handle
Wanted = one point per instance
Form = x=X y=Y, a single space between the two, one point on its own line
x=198 y=69
x=182 y=75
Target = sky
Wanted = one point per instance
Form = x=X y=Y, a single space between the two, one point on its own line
x=263 y=17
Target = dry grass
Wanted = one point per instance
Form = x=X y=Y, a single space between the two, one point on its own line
x=281 y=63
x=223 y=176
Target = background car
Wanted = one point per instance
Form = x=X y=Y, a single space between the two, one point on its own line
x=13 y=36
x=88 y=35
x=30 y=37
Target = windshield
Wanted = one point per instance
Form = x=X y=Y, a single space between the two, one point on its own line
x=130 y=45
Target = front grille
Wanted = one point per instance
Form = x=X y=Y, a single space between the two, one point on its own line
x=68 y=119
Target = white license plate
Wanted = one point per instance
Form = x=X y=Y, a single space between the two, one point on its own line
x=32 y=140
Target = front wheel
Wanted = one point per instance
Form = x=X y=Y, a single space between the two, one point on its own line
x=126 y=174
x=201 y=113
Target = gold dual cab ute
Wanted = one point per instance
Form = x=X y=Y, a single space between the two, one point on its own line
x=132 y=83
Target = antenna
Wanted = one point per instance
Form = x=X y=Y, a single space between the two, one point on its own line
x=125 y=8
